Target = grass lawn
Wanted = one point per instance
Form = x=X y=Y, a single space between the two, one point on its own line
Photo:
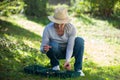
x=20 y=39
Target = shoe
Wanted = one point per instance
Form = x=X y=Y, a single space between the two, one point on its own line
x=56 y=67
x=81 y=73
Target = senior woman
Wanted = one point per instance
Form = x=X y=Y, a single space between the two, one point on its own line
x=59 y=41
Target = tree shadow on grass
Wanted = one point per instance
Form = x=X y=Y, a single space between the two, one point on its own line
x=85 y=19
x=41 y=20
x=113 y=20
x=15 y=30
x=14 y=56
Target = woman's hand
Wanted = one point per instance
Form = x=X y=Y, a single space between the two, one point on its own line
x=46 y=48
x=67 y=65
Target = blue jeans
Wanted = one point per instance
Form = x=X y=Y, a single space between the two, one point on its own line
x=56 y=52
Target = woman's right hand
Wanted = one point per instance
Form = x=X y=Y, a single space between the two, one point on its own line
x=46 y=48
x=67 y=65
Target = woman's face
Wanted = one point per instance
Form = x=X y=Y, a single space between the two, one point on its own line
x=59 y=25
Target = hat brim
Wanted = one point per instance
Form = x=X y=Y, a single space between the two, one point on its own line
x=51 y=18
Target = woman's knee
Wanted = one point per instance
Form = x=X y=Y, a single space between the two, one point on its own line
x=79 y=41
x=54 y=46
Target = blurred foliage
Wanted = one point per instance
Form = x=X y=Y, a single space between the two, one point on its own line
x=30 y=7
x=81 y=6
x=8 y=7
x=117 y=8
x=97 y=7
x=36 y=7
x=40 y=8
x=105 y=7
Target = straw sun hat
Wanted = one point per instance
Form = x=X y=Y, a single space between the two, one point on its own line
x=60 y=16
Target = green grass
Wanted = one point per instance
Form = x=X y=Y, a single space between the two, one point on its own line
x=19 y=47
